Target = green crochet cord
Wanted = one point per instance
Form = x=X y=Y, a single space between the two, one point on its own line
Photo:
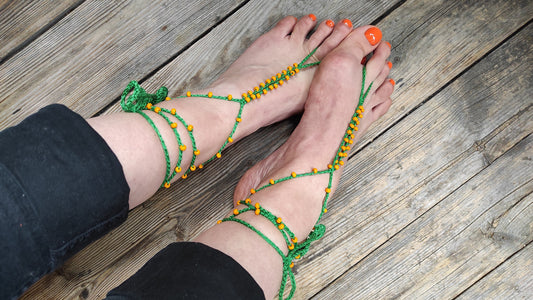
x=139 y=100
x=297 y=250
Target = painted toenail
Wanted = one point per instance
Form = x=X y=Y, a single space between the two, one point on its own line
x=373 y=35
x=347 y=22
x=389 y=64
x=388 y=44
x=392 y=82
x=330 y=23
x=363 y=61
x=313 y=17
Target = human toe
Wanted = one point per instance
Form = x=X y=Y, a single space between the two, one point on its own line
x=378 y=62
x=322 y=32
x=285 y=26
x=303 y=27
x=340 y=32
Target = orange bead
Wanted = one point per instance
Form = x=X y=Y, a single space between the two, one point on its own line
x=193 y=168
x=330 y=166
x=188 y=93
x=183 y=147
x=219 y=221
x=336 y=167
x=271 y=181
x=257 y=205
x=328 y=190
x=190 y=127
x=257 y=211
x=235 y=211
x=184 y=176
x=210 y=94
x=173 y=111
x=293 y=174
x=291 y=265
x=248 y=201
x=325 y=210
x=281 y=82
x=238 y=119
x=200 y=166
x=149 y=106
x=278 y=220
x=252 y=191
x=173 y=125
x=219 y=155
x=230 y=97
x=291 y=247
x=157 y=109
x=197 y=152
x=167 y=98
x=177 y=169
x=315 y=170
x=230 y=140
x=167 y=185
x=281 y=226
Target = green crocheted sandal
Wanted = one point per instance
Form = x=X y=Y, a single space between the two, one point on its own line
x=139 y=101
x=297 y=249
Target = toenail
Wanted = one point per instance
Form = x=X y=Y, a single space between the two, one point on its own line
x=363 y=61
x=389 y=64
x=388 y=44
x=392 y=82
x=373 y=35
x=347 y=22
x=330 y=23
x=313 y=17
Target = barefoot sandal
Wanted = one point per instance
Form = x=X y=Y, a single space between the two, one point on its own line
x=139 y=101
x=297 y=249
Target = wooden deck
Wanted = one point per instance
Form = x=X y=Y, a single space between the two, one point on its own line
x=436 y=203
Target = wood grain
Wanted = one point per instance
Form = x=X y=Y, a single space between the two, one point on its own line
x=89 y=56
x=22 y=21
x=410 y=168
x=513 y=279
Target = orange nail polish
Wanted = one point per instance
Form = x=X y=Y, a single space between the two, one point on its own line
x=330 y=23
x=388 y=44
x=313 y=17
x=392 y=82
x=363 y=61
x=389 y=64
x=373 y=35
x=347 y=22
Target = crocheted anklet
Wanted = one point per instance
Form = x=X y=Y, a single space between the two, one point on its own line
x=139 y=101
x=297 y=249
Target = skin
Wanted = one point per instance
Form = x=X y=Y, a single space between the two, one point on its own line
x=328 y=96
x=314 y=143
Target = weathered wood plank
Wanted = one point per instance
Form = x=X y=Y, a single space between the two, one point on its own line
x=511 y=280
x=109 y=261
x=445 y=145
x=20 y=21
x=193 y=215
x=88 y=57
x=453 y=245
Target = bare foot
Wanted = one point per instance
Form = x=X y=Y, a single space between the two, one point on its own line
x=268 y=56
x=212 y=120
x=299 y=202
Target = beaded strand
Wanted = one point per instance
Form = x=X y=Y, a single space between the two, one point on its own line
x=139 y=100
x=297 y=250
